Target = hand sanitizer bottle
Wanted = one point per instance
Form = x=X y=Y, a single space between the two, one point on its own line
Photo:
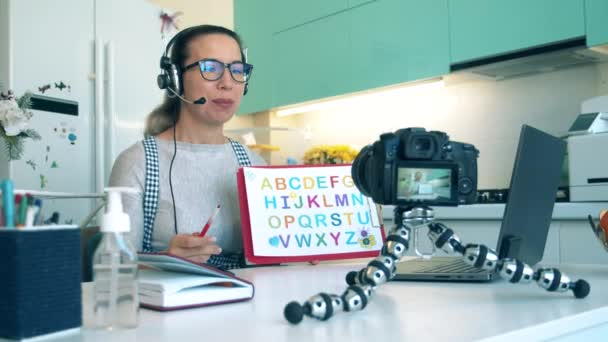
x=115 y=269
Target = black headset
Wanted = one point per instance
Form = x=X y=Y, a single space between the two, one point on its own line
x=170 y=77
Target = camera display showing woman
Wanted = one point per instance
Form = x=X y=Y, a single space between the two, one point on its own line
x=186 y=165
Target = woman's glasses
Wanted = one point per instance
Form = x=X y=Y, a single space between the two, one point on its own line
x=213 y=70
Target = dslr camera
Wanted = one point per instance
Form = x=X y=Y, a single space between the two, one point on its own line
x=414 y=167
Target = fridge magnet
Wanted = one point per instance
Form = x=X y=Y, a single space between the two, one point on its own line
x=44 y=88
x=32 y=164
x=168 y=22
x=43 y=181
x=60 y=85
x=54 y=165
x=72 y=138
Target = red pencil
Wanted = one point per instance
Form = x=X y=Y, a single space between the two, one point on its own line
x=210 y=221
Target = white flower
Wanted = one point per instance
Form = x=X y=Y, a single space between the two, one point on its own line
x=5 y=106
x=13 y=119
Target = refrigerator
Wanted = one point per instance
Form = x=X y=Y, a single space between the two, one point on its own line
x=99 y=60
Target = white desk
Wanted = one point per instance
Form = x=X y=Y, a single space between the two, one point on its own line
x=399 y=311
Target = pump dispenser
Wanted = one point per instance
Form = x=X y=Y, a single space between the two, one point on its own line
x=114 y=219
x=115 y=268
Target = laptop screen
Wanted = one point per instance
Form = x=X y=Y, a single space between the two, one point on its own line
x=534 y=182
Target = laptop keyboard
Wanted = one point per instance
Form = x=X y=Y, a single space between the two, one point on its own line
x=456 y=266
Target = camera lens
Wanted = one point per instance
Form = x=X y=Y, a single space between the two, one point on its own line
x=422 y=144
x=358 y=170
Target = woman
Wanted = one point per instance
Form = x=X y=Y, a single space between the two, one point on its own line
x=197 y=164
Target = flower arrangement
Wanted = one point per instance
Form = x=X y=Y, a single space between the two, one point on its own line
x=326 y=154
x=14 y=119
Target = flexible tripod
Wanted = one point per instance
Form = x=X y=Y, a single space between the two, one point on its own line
x=382 y=269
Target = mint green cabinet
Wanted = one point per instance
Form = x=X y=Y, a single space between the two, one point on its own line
x=597 y=22
x=312 y=61
x=290 y=13
x=395 y=41
x=483 y=28
x=355 y=3
x=257 y=40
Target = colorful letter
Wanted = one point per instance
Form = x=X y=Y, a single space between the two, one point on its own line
x=280 y=183
x=320 y=239
x=303 y=240
x=274 y=202
x=335 y=237
x=320 y=220
x=342 y=200
x=333 y=180
x=266 y=183
x=294 y=180
x=351 y=238
x=312 y=200
x=304 y=221
x=274 y=222
x=289 y=219
x=335 y=219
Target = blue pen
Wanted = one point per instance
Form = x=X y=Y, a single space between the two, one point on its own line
x=9 y=202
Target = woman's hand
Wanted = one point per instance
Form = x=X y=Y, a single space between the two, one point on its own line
x=193 y=247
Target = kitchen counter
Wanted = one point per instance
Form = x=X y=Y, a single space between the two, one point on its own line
x=561 y=211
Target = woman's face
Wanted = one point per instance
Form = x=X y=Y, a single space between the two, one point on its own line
x=224 y=95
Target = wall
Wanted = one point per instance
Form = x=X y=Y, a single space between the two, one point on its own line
x=197 y=12
x=486 y=113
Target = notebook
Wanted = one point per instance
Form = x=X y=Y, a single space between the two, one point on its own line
x=304 y=213
x=168 y=282
x=527 y=217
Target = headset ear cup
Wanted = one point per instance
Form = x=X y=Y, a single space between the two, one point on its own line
x=175 y=79
x=162 y=80
x=246 y=89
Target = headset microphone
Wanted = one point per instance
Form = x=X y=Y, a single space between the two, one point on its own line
x=200 y=101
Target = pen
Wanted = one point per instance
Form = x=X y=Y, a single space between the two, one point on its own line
x=1 y=212
x=16 y=210
x=22 y=200
x=9 y=202
x=210 y=221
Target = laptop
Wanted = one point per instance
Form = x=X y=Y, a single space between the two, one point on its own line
x=527 y=217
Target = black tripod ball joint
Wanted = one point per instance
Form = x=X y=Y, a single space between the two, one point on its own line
x=382 y=269
x=513 y=270
x=322 y=306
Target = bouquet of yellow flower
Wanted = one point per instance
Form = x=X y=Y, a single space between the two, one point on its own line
x=326 y=154
x=14 y=119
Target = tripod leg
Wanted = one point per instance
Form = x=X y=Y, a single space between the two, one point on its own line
x=513 y=270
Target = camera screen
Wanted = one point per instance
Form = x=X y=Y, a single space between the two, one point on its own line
x=431 y=185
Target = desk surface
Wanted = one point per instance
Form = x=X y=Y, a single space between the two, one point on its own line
x=399 y=311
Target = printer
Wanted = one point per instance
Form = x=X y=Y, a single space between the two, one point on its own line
x=588 y=152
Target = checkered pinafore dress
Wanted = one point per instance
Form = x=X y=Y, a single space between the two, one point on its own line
x=224 y=260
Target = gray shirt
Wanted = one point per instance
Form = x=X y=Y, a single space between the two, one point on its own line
x=202 y=176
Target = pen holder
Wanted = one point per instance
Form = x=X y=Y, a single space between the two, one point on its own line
x=40 y=289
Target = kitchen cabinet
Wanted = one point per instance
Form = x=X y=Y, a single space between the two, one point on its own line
x=395 y=41
x=596 y=12
x=355 y=3
x=312 y=61
x=257 y=42
x=487 y=28
x=289 y=13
